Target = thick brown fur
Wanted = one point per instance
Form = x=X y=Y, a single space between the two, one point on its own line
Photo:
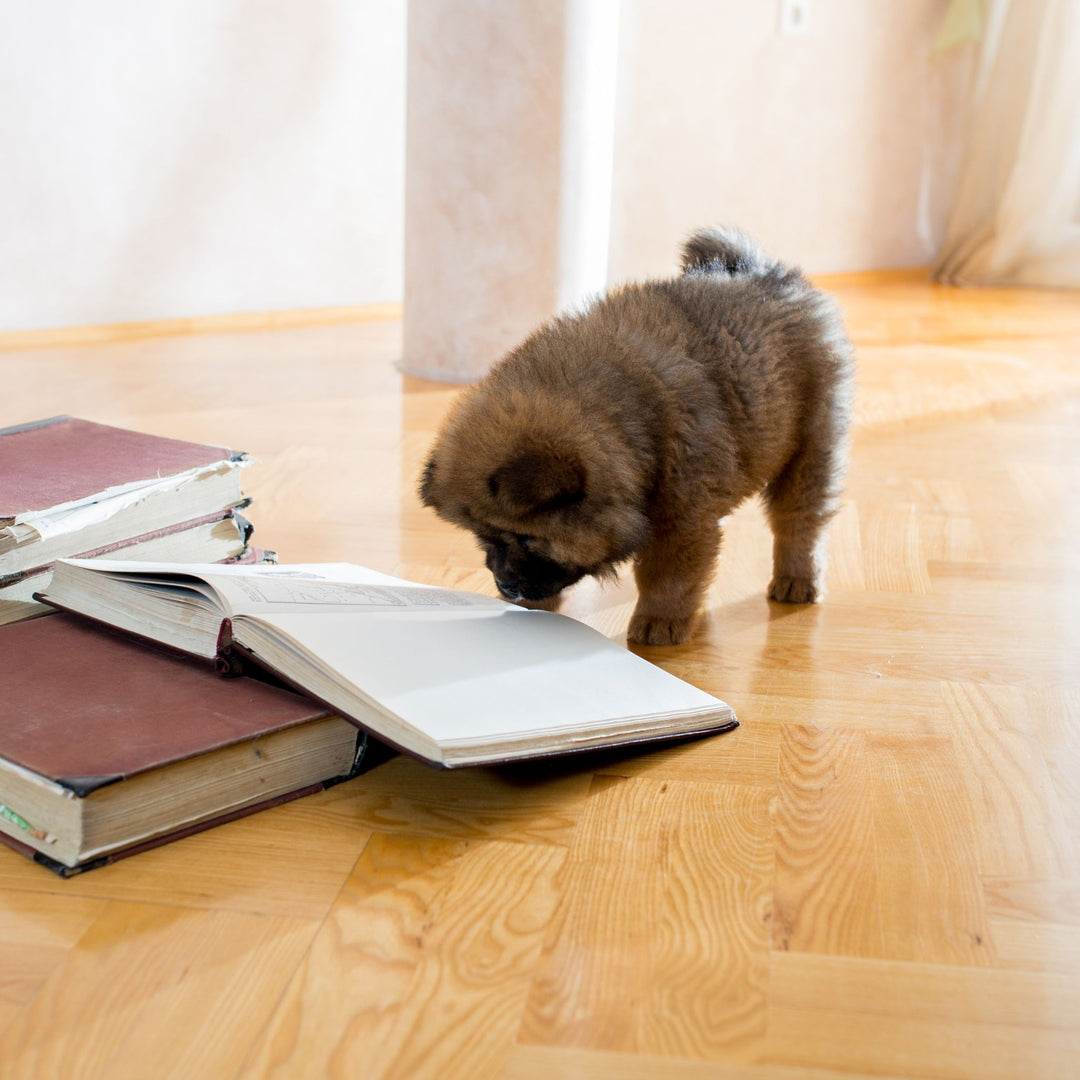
x=628 y=431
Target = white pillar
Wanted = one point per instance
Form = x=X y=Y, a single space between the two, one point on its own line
x=508 y=172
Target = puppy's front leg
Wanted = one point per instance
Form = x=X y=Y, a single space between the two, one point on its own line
x=672 y=572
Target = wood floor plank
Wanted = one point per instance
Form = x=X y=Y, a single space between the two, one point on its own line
x=36 y=933
x=950 y=1050
x=929 y=892
x=1057 y=720
x=922 y=1019
x=203 y=1019
x=660 y=941
x=901 y=706
x=893 y=550
x=936 y=381
x=749 y=755
x=1035 y=925
x=289 y=860
x=826 y=897
x=422 y=967
x=1023 y=832
x=1048 y=900
x=149 y=977
x=941 y=993
x=537 y=803
x=574 y=1063
x=1036 y=946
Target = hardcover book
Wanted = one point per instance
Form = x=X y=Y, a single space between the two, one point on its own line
x=109 y=747
x=69 y=485
x=219 y=537
x=453 y=678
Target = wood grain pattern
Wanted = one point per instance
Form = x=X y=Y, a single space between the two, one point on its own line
x=898 y=1045
x=157 y=980
x=826 y=894
x=36 y=935
x=563 y=1063
x=749 y=755
x=247 y=865
x=422 y=968
x=659 y=942
x=532 y=803
x=877 y=874
x=1023 y=833
x=929 y=893
x=1042 y=946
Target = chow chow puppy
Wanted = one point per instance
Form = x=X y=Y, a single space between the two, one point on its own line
x=629 y=430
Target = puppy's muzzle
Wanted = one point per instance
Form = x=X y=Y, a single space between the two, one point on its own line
x=526 y=590
x=508 y=591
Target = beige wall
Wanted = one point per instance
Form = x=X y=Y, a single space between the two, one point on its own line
x=198 y=157
x=835 y=149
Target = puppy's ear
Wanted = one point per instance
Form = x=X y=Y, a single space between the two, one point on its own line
x=427 y=483
x=536 y=482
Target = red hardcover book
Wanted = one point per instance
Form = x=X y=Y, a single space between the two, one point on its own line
x=63 y=459
x=109 y=746
x=69 y=485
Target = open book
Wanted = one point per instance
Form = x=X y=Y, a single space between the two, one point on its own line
x=453 y=678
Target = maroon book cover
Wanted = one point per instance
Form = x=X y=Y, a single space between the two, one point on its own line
x=84 y=708
x=63 y=459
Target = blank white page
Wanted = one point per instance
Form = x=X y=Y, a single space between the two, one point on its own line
x=484 y=674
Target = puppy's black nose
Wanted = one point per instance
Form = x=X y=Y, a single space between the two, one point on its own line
x=509 y=590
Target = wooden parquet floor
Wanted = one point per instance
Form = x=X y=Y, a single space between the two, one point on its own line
x=878 y=874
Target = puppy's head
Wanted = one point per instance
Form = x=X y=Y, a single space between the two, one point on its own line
x=543 y=493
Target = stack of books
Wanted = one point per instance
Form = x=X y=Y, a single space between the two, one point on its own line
x=75 y=489
x=163 y=696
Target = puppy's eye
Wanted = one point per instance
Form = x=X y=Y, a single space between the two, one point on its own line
x=526 y=542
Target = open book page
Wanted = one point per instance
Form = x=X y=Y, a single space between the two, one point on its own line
x=478 y=676
x=250 y=595
x=183 y=604
x=315 y=571
x=315 y=587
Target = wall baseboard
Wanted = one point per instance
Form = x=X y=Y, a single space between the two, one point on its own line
x=910 y=275
x=105 y=333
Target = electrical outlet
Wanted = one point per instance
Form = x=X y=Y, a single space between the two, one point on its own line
x=794 y=18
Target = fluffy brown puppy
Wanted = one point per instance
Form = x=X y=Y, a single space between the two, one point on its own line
x=628 y=431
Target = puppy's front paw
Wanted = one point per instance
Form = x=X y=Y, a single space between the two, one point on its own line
x=793 y=590
x=659 y=630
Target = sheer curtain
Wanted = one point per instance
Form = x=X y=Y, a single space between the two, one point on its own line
x=1015 y=218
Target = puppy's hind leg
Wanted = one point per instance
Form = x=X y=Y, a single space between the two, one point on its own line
x=800 y=503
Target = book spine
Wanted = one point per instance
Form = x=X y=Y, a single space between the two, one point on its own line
x=243 y=525
x=228 y=662
x=157 y=841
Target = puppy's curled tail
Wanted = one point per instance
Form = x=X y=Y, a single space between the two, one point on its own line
x=724 y=251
